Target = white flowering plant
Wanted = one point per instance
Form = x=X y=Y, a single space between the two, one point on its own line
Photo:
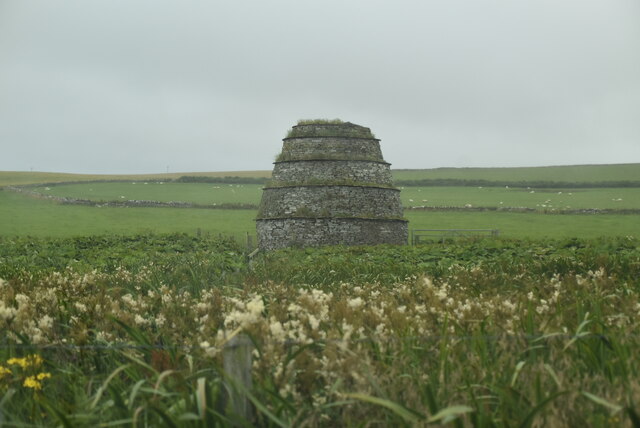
x=516 y=332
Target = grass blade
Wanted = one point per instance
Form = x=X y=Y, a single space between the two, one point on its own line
x=104 y=386
x=528 y=420
x=450 y=413
x=599 y=400
x=519 y=367
x=398 y=409
x=635 y=419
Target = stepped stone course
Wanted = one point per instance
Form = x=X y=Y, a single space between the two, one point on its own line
x=311 y=171
x=331 y=186
x=331 y=201
x=333 y=148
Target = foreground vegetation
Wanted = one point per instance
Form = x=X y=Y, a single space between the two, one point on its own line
x=129 y=331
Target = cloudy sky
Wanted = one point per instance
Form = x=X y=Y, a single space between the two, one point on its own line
x=133 y=86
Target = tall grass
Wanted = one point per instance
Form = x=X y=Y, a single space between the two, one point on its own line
x=492 y=333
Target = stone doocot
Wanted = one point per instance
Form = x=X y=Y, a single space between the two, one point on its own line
x=301 y=148
x=331 y=201
x=328 y=171
x=274 y=234
x=331 y=186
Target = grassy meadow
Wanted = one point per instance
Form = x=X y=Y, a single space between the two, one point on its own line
x=574 y=173
x=122 y=315
x=538 y=199
x=199 y=193
x=454 y=196
x=21 y=214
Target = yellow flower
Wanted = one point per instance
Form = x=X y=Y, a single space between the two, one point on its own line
x=34 y=360
x=29 y=361
x=32 y=382
x=4 y=371
x=22 y=362
x=42 y=376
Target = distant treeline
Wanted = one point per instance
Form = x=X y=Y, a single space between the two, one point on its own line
x=433 y=182
x=224 y=180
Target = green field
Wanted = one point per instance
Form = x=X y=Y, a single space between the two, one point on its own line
x=21 y=214
x=528 y=225
x=540 y=199
x=199 y=193
x=449 y=196
x=14 y=178
x=574 y=173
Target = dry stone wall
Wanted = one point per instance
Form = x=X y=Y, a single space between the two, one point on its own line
x=335 y=148
x=305 y=232
x=331 y=201
x=331 y=186
x=328 y=171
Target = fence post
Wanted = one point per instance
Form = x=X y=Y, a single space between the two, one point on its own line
x=236 y=360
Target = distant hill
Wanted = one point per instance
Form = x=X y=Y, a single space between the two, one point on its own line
x=17 y=178
x=616 y=175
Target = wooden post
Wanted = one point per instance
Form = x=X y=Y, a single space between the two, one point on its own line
x=237 y=365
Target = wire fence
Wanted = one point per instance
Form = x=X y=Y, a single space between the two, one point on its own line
x=424 y=339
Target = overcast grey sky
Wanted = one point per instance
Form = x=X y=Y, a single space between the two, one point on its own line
x=132 y=86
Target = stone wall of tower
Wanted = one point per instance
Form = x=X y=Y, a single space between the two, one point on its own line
x=331 y=186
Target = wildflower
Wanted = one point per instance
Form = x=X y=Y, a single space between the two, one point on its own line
x=348 y=331
x=45 y=322
x=128 y=299
x=160 y=320
x=355 y=303
x=256 y=306
x=102 y=336
x=32 y=382
x=22 y=300
x=544 y=307
x=29 y=361
x=7 y=313
x=4 y=371
x=313 y=322
x=35 y=382
x=140 y=320
x=254 y=311
x=509 y=305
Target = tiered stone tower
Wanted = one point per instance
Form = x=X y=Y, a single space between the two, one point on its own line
x=330 y=186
